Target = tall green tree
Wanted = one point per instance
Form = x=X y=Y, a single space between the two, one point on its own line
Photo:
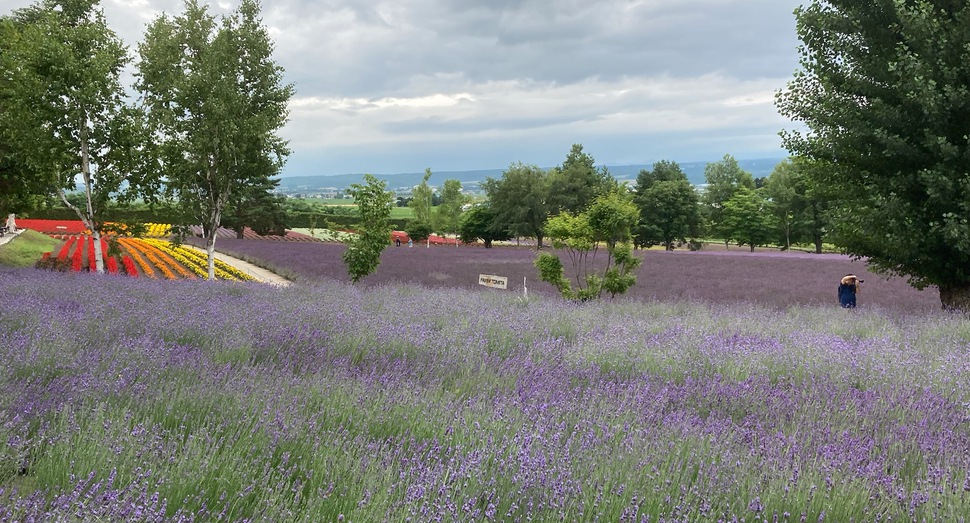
x=748 y=219
x=64 y=115
x=801 y=208
x=520 y=200
x=723 y=179
x=449 y=210
x=577 y=182
x=480 y=223
x=781 y=188
x=421 y=199
x=374 y=202
x=668 y=206
x=217 y=100
x=257 y=207
x=884 y=94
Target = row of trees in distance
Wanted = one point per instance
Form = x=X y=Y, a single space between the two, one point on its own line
x=733 y=206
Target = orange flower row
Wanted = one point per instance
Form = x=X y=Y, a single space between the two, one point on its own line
x=149 y=253
x=145 y=267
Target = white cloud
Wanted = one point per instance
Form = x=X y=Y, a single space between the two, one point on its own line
x=381 y=82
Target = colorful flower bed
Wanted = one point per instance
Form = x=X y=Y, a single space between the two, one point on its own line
x=149 y=257
x=196 y=261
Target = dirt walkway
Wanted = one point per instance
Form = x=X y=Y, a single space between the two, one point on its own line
x=258 y=273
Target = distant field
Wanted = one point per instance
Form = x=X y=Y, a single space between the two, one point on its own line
x=396 y=212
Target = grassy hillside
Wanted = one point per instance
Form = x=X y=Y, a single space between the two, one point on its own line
x=26 y=249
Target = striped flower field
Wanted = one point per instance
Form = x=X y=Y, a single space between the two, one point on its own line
x=173 y=401
x=134 y=257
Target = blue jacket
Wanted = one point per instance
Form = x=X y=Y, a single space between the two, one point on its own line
x=847 y=295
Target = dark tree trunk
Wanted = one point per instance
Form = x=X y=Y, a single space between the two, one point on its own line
x=240 y=233
x=956 y=297
x=488 y=244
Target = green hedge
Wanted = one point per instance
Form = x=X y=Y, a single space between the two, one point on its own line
x=126 y=215
x=335 y=221
x=293 y=220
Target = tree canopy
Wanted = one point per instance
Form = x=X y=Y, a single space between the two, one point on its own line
x=363 y=253
x=520 y=200
x=747 y=218
x=64 y=114
x=668 y=206
x=216 y=99
x=884 y=92
x=448 y=219
x=723 y=178
x=577 y=182
x=479 y=223
x=609 y=219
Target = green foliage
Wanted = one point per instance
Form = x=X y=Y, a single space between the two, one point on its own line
x=608 y=220
x=418 y=231
x=422 y=199
x=747 y=218
x=801 y=208
x=668 y=206
x=519 y=200
x=479 y=223
x=256 y=206
x=363 y=253
x=448 y=217
x=63 y=111
x=884 y=97
x=216 y=100
x=723 y=178
x=577 y=182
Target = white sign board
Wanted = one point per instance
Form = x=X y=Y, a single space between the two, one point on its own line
x=496 y=282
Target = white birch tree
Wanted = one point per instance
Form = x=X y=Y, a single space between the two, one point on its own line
x=216 y=99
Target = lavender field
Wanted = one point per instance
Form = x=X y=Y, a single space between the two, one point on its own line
x=774 y=279
x=138 y=400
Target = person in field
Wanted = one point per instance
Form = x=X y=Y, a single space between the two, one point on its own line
x=848 y=289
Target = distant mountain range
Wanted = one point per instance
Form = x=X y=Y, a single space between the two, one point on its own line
x=758 y=168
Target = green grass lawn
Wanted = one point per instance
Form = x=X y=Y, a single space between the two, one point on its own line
x=26 y=249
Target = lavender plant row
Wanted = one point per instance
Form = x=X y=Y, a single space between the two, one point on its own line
x=778 y=280
x=137 y=400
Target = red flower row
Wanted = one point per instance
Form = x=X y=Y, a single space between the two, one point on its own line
x=53 y=226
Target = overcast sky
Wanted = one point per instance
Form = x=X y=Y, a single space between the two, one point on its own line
x=401 y=85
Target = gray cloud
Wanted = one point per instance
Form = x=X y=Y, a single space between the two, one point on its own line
x=389 y=86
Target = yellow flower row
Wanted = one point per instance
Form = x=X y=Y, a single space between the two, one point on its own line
x=198 y=262
x=157 y=230
x=166 y=257
x=188 y=261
